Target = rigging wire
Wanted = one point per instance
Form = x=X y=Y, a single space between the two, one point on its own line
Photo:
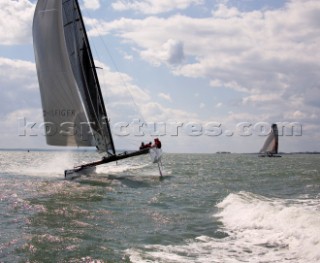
x=117 y=70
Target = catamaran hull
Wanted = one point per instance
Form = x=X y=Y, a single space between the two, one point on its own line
x=71 y=174
x=269 y=156
x=89 y=168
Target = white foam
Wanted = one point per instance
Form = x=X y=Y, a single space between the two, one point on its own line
x=259 y=229
x=273 y=229
x=53 y=164
x=42 y=164
x=115 y=168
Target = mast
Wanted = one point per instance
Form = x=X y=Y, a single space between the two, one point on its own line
x=96 y=80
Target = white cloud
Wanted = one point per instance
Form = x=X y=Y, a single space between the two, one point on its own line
x=171 y=52
x=156 y=112
x=244 y=51
x=219 y=105
x=262 y=98
x=217 y=83
x=15 y=21
x=269 y=58
x=120 y=85
x=126 y=101
x=19 y=85
x=154 y=7
x=127 y=56
x=20 y=98
x=92 y=4
x=225 y=12
x=165 y=96
x=259 y=65
x=12 y=120
x=296 y=115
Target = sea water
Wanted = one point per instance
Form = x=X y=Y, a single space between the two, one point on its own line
x=207 y=208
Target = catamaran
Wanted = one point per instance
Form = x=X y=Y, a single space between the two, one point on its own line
x=270 y=147
x=73 y=107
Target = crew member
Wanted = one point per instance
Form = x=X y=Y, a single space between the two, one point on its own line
x=142 y=146
x=157 y=143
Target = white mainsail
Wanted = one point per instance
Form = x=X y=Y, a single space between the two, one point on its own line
x=72 y=102
x=271 y=144
x=73 y=107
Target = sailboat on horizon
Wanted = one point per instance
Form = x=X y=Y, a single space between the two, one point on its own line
x=270 y=146
x=73 y=107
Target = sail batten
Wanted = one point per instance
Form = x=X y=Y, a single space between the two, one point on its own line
x=67 y=77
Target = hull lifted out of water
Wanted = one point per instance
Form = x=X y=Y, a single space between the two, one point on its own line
x=73 y=107
x=90 y=167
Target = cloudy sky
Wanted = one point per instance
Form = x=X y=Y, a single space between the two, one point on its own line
x=186 y=66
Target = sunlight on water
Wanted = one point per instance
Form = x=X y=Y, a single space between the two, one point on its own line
x=207 y=208
x=273 y=228
x=267 y=229
x=41 y=164
x=118 y=168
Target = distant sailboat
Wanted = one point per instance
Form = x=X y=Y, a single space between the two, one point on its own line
x=72 y=102
x=270 y=147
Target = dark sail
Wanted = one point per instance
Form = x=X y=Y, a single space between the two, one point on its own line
x=72 y=102
x=271 y=144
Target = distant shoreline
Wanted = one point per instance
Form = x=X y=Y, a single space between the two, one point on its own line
x=44 y=150
x=94 y=150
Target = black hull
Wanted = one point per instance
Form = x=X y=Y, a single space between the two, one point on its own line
x=88 y=167
x=271 y=156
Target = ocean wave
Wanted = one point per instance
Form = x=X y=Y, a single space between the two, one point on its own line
x=259 y=229
x=272 y=229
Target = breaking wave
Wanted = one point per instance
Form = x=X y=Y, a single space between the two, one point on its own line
x=259 y=229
